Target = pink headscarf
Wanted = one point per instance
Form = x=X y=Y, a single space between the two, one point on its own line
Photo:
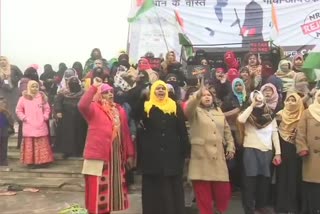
x=143 y=64
x=233 y=74
x=273 y=101
x=231 y=60
x=105 y=87
x=295 y=66
x=35 y=66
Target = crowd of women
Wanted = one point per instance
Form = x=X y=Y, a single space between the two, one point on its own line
x=249 y=127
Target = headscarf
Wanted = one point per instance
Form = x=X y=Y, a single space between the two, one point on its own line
x=314 y=108
x=231 y=60
x=30 y=83
x=70 y=72
x=301 y=83
x=295 y=66
x=240 y=96
x=286 y=75
x=74 y=88
x=5 y=71
x=261 y=116
x=109 y=109
x=143 y=64
x=123 y=60
x=31 y=73
x=290 y=115
x=48 y=73
x=167 y=105
x=266 y=69
x=232 y=74
x=62 y=68
x=102 y=89
x=35 y=66
x=119 y=79
x=273 y=101
x=92 y=56
x=79 y=68
x=105 y=87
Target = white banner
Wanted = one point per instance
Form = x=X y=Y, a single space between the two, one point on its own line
x=236 y=23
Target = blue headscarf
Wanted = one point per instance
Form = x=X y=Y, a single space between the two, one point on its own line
x=242 y=95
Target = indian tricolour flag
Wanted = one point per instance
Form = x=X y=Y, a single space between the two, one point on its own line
x=311 y=66
x=138 y=8
x=187 y=48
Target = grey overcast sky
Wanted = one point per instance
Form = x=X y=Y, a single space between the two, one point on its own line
x=54 y=31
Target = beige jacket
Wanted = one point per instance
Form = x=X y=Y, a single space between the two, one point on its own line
x=308 y=139
x=209 y=133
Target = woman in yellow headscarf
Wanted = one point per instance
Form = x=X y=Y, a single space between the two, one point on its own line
x=159 y=97
x=163 y=144
x=288 y=171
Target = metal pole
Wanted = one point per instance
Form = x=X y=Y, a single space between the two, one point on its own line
x=162 y=32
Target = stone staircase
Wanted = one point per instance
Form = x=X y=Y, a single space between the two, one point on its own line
x=63 y=174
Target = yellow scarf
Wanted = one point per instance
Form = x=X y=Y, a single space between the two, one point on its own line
x=314 y=108
x=290 y=114
x=167 y=105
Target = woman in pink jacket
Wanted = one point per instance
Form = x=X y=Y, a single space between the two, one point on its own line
x=33 y=110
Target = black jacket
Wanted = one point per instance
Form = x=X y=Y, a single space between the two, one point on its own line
x=163 y=143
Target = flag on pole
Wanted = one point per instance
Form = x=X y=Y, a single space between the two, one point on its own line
x=187 y=47
x=179 y=20
x=311 y=66
x=140 y=7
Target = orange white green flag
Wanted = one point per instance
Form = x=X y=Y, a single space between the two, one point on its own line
x=139 y=7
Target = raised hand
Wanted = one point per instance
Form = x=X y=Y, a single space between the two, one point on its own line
x=97 y=82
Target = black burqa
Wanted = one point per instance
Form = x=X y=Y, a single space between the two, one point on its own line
x=72 y=128
x=48 y=82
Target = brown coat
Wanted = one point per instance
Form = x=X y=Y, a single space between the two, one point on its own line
x=209 y=133
x=308 y=139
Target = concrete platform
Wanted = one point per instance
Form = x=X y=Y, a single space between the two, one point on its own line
x=50 y=202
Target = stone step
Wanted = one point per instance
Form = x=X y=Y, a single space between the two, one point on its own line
x=64 y=184
x=63 y=174
x=55 y=183
x=52 y=171
x=14 y=156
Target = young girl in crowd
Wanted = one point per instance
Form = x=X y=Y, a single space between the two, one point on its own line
x=231 y=107
x=33 y=110
x=271 y=95
x=6 y=121
x=260 y=136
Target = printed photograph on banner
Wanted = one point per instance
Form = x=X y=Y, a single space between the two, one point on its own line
x=224 y=23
